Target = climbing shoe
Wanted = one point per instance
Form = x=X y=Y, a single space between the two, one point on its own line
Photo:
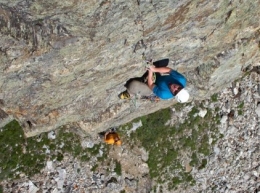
x=124 y=95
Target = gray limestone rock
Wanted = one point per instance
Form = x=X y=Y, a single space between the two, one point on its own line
x=66 y=62
x=257 y=110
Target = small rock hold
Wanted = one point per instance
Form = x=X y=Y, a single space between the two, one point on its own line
x=202 y=113
x=257 y=110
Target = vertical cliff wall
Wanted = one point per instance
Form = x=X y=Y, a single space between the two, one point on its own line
x=65 y=62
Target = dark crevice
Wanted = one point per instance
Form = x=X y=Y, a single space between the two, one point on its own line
x=228 y=15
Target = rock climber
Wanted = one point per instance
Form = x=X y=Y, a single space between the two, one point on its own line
x=162 y=81
x=111 y=137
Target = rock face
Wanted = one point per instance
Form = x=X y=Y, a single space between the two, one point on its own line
x=65 y=62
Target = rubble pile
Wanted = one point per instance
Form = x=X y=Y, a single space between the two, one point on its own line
x=234 y=164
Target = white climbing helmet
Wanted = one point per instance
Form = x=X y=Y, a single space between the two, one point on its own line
x=183 y=96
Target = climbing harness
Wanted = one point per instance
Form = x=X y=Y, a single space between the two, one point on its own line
x=152 y=98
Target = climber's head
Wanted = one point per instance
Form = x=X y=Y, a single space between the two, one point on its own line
x=180 y=93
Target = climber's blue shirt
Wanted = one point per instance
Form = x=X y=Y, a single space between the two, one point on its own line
x=161 y=88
